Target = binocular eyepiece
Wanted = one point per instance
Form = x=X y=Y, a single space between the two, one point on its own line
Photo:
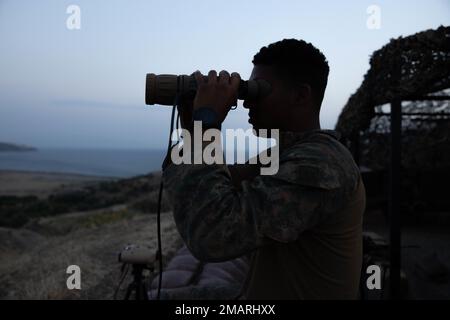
x=162 y=89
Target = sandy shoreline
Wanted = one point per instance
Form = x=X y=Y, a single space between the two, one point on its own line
x=41 y=184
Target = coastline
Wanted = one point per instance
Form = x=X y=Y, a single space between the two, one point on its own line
x=109 y=163
x=43 y=183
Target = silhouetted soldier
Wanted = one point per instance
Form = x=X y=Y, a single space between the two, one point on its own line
x=302 y=225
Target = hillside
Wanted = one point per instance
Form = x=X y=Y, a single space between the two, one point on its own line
x=85 y=223
x=61 y=194
x=4 y=146
x=34 y=260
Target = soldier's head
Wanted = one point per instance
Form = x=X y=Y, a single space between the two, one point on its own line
x=298 y=74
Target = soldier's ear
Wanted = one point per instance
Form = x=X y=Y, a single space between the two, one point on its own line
x=302 y=94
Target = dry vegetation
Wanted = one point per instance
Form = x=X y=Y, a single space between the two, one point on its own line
x=34 y=263
x=34 y=257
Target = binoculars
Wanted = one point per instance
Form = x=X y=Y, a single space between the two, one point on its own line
x=164 y=88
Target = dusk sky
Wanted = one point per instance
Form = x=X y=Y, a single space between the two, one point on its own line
x=84 y=88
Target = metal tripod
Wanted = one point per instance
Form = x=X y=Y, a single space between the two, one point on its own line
x=138 y=285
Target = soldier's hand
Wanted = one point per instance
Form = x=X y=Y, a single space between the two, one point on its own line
x=219 y=94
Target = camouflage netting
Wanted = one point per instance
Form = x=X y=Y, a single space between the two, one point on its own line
x=425 y=140
x=407 y=67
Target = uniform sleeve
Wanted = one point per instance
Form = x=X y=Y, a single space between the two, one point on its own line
x=218 y=222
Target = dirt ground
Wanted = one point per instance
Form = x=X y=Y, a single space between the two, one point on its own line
x=34 y=258
x=425 y=256
x=33 y=263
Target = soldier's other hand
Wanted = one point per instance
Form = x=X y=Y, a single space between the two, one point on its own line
x=185 y=110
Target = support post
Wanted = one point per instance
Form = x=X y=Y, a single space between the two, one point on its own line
x=394 y=200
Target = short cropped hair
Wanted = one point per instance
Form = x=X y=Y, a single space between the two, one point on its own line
x=297 y=61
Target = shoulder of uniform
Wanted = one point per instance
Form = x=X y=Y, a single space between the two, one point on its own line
x=321 y=161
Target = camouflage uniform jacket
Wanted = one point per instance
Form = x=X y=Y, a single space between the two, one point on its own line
x=316 y=180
